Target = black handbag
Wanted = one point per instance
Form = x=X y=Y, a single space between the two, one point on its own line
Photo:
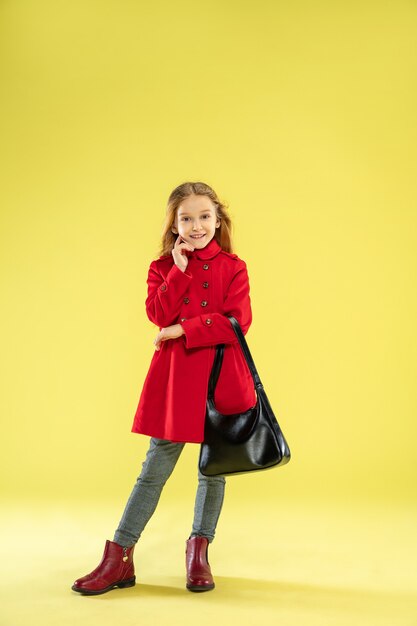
x=239 y=443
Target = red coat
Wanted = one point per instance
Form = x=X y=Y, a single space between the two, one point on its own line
x=172 y=403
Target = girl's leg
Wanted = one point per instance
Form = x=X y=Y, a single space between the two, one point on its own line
x=160 y=461
x=208 y=504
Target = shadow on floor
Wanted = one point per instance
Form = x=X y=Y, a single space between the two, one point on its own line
x=269 y=595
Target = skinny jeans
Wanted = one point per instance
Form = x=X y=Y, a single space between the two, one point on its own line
x=157 y=467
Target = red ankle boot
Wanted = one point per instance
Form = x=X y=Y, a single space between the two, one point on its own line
x=199 y=576
x=116 y=569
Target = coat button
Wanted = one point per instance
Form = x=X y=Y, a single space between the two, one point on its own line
x=205 y=285
x=203 y=303
x=208 y=321
x=163 y=287
x=205 y=266
x=183 y=319
x=186 y=300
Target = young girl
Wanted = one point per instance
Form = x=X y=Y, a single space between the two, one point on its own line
x=193 y=286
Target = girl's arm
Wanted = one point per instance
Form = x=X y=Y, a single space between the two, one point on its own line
x=210 y=329
x=165 y=296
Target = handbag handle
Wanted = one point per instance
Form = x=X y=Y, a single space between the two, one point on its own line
x=218 y=359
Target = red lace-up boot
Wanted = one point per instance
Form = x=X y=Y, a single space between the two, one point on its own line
x=116 y=569
x=199 y=576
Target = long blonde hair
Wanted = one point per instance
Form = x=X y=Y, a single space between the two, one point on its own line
x=223 y=233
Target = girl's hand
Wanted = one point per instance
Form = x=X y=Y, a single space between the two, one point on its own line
x=179 y=252
x=170 y=332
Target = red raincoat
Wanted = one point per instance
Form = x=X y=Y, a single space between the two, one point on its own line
x=215 y=284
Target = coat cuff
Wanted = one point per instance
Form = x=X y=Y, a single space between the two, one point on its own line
x=208 y=329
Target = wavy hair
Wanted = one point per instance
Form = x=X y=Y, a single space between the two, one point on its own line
x=223 y=233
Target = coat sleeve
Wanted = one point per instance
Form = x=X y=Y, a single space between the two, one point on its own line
x=210 y=329
x=165 y=295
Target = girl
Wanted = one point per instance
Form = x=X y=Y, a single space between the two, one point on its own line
x=193 y=286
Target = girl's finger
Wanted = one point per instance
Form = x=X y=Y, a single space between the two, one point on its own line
x=182 y=248
x=183 y=243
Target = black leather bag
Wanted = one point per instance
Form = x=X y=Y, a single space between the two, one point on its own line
x=241 y=442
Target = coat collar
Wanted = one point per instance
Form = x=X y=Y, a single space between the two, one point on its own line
x=209 y=251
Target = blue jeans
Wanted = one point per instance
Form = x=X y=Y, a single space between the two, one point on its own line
x=160 y=461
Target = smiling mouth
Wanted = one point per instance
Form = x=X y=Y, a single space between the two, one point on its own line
x=197 y=236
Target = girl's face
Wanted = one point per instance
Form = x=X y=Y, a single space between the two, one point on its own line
x=196 y=220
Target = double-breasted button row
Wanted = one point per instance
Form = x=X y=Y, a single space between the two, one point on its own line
x=202 y=303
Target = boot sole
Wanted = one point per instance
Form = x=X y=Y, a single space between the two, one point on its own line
x=129 y=582
x=200 y=587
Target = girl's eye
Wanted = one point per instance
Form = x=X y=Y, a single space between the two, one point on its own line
x=183 y=219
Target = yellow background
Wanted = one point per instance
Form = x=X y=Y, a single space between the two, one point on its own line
x=302 y=117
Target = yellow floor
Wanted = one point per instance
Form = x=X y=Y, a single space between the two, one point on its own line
x=314 y=564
